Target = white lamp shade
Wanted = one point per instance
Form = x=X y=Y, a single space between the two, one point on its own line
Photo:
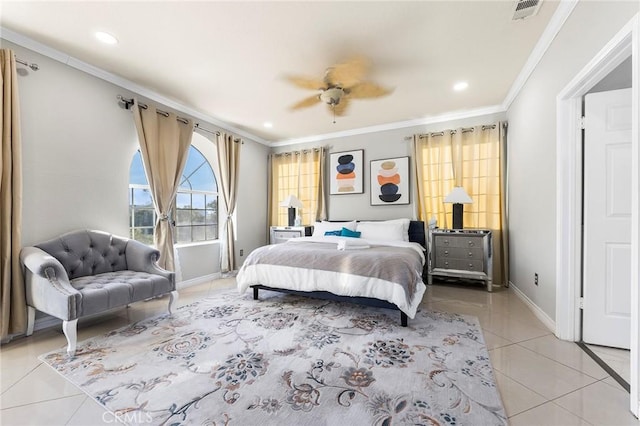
x=291 y=201
x=458 y=196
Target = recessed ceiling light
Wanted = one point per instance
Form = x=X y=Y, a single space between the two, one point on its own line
x=267 y=124
x=460 y=86
x=106 y=38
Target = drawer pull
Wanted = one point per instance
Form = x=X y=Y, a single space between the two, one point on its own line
x=446 y=252
x=471 y=266
x=446 y=263
x=471 y=244
x=445 y=242
x=470 y=254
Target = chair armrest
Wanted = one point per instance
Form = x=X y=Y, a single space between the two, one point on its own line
x=47 y=284
x=142 y=258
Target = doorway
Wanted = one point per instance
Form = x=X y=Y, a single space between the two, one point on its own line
x=569 y=194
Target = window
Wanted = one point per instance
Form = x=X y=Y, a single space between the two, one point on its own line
x=195 y=212
x=297 y=173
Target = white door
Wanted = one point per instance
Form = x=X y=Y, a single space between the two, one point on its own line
x=607 y=219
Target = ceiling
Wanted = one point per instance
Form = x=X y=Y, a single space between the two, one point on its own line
x=227 y=60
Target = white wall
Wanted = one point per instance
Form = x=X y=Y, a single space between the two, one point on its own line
x=251 y=212
x=532 y=145
x=77 y=146
x=379 y=145
x=77 y=149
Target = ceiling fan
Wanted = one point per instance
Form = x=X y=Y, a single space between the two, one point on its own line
x=341 y=83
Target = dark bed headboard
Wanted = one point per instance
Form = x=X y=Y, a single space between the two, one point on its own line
x=416 y=232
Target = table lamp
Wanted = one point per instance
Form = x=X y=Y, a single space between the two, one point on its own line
x=292 y=203
x=458 y=197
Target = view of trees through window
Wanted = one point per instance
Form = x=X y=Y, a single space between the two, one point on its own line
x=195 y=211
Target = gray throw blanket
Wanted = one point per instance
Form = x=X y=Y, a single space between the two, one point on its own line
x=400 y=265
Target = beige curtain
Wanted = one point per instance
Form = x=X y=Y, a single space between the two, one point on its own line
x=434 y=173
x=474 y=158
x=229 y=168
x=13 y=308
x=164 y=145
x=299 y=173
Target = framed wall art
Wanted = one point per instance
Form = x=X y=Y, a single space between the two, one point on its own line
x=346 y=172
x=390 y=181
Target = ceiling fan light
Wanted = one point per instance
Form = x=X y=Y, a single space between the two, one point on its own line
x=332 y=95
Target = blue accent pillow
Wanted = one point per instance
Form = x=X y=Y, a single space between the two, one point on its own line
x=349 y=233
x=337 y=233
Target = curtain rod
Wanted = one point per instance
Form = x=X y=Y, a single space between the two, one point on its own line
x=302 y=151
x=31 y=65
x=128 y=103
x=453 y=132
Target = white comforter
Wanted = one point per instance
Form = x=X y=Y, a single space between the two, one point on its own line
x=341 y=280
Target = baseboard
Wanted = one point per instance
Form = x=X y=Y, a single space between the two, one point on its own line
x=198 y=280
x=539 y=313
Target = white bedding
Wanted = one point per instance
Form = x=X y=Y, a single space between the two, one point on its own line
x=340 y=281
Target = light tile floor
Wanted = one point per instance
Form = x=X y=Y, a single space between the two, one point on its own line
x=542 y=380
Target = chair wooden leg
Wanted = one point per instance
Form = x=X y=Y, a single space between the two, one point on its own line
x=70 y=329
x=173 y=298
x=31 y=319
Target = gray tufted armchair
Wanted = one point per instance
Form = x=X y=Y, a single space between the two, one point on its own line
x=87 y=272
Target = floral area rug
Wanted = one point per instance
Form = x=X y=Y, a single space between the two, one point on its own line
x=288 y=360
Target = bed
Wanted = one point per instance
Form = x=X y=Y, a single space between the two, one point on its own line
x=383 y=268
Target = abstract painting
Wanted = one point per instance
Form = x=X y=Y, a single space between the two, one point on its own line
x=390 y=181
x=346 y=172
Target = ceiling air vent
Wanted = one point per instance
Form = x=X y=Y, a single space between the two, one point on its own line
x=525 y=8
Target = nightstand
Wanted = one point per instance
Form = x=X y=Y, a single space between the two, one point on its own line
x=280 y=234
x=461 y=253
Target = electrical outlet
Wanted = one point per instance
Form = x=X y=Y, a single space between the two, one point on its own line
x=242 y=254
x=535 y=279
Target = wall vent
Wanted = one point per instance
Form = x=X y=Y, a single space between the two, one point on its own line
x=525 y=8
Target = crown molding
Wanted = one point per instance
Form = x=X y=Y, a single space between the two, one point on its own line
x=548 y=35
x=59 y=56
x=449 y=116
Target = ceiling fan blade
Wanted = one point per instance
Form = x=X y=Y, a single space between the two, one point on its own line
x=306 y=83
x=347 y=74
x=307 y=102
x=341 y=108
x=368 y=90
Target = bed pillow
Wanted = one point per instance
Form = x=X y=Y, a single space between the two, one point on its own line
x=388 y=230
x=405 y=227
x=349 y=233
x=319 y=228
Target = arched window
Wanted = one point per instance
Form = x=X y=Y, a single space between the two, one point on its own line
x=195 y=211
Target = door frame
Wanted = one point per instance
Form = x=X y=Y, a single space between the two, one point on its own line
x=624 y=44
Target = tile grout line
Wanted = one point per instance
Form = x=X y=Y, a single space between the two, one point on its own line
x=77 y=409
x=556 y=361
x=45 y=401
x=23 y=377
